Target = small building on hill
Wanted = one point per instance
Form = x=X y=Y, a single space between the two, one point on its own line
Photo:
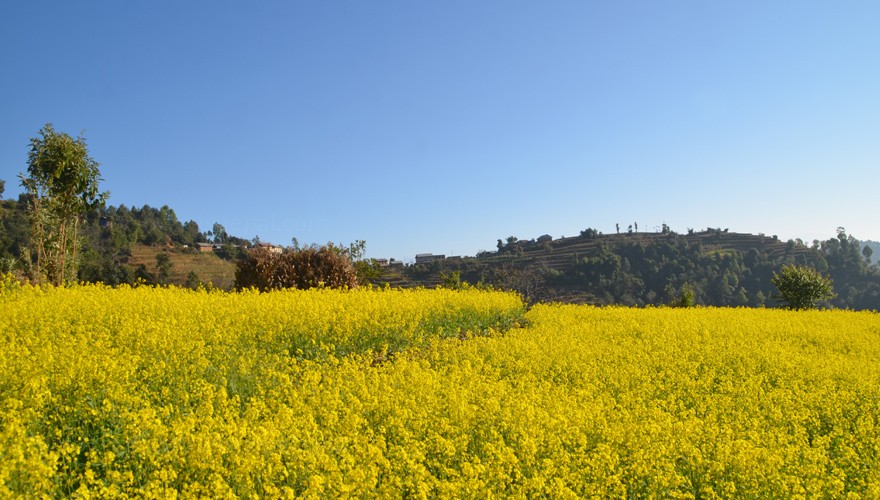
x=272 y=248
x=426 y=258
x=205 y=247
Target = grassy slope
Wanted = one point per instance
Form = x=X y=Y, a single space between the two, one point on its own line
x=208 y=266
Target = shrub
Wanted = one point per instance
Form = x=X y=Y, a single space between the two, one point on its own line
x=686 y=298
x=305 y=268
x=801 y=287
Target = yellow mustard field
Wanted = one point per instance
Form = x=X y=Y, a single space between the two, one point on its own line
x=164 y=392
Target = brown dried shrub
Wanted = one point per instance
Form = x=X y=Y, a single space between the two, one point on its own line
x=310 y=267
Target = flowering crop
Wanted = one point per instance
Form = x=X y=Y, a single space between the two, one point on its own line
x=161 y=392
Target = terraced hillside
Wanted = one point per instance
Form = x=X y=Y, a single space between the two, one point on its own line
x=720 y=267
x=560 y=253
x=209 y=268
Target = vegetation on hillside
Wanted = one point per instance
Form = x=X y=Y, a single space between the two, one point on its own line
x=59 y=231
x=871 y=251
x=719 y=268
x=109 y=235
x=714 y=267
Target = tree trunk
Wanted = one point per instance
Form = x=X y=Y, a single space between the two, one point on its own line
x=39 y=236
x=75 y=242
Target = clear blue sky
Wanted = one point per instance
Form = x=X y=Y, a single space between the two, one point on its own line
x=444 y=126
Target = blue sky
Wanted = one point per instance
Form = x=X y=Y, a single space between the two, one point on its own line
x=444 y=126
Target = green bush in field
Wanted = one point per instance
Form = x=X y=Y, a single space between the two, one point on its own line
x=802 y=287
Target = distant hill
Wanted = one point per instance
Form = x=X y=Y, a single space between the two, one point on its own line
x=122 y=245
x=722 y=268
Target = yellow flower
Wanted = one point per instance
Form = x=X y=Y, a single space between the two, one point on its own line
x=158 y=392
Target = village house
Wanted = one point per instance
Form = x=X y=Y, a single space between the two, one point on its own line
x=272 y=248
x=426 y=258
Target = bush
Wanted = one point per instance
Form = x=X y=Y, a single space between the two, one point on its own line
x=686 y=298
x=328 y=266
x=801 y=287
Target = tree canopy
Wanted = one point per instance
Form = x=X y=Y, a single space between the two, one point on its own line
x=62 y=185
x=802 y=287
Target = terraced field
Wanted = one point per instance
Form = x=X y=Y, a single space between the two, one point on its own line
x=207 y=266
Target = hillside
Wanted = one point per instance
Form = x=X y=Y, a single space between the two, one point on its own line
x=635 y=269
x=558 y=254
x=721 y=268
x=207 y=266
x=561 y=251
x=121 y=244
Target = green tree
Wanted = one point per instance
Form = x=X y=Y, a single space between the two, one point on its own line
x=163 y=267
x=61 y=186
x=758 y=299
x=192 y=280
x=191 y=234
x=685 y=298
x=453 y=281
x=366 y=269
x=801 y=287
x=2 y=188
x=220 y=234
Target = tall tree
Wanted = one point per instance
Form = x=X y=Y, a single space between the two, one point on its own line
x=61 y=186
x=867 y=252
x=220 y=234
x=163 y=267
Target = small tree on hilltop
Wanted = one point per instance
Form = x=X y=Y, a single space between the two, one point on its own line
x=801 y=287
